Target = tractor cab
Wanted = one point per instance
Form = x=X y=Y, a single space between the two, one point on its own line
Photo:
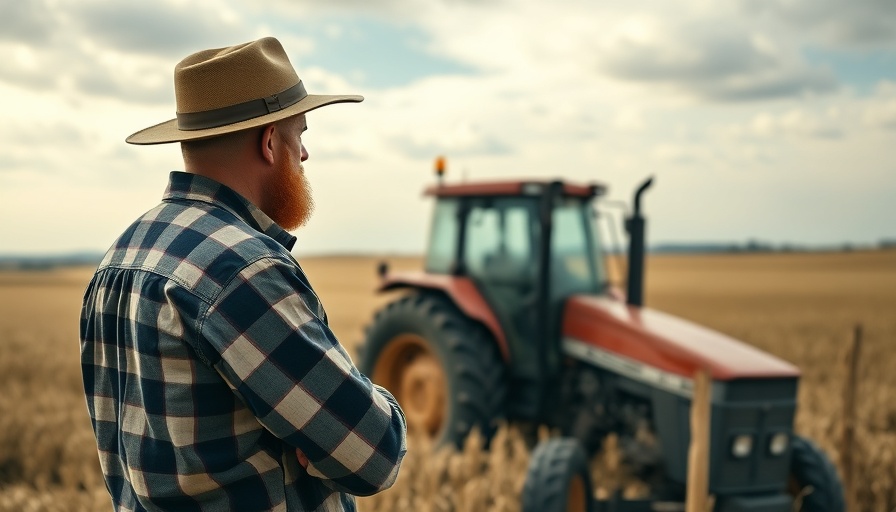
x=527 y=246
x=495 y=234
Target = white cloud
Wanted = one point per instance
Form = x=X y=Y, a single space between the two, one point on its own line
x=864 y=23
x=881 y=113
x=798 y=122
x=678 y=154
x=161 y=28
x=108 y=49
x=830 y=119
x=715 y=59
x=629 y=119
x=28 y=22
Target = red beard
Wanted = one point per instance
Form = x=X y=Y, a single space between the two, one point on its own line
x=290 y=203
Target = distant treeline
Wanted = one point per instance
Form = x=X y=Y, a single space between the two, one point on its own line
x=46 y=262
x=756 y=246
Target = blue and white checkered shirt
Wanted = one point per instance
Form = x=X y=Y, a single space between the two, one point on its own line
x=207 y=360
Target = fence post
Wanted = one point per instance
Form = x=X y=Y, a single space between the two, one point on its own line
x=697 y=499
x=849 y=418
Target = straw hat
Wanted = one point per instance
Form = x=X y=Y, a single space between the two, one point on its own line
x=226 y=90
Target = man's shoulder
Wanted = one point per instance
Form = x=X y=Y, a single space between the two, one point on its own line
x=198 y=245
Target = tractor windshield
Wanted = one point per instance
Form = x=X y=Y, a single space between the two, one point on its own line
x=576 y=256
x=501 y=239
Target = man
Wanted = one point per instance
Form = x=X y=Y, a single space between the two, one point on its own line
x=212 y=379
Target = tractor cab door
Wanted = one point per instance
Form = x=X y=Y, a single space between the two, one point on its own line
x=576 y=260
x=501 y=239
x=572 y=267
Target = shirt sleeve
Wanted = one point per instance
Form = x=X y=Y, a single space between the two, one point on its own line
x=282 y=359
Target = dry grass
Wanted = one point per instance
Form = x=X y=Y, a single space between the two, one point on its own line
x=799 y=307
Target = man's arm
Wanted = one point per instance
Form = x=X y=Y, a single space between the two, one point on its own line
x=287 y=366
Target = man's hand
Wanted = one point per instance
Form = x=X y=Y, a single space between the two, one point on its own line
x=303 y=460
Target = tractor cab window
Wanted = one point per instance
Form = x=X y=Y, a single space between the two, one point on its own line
x=443 y=237
x=575 y=259
x=499 y=245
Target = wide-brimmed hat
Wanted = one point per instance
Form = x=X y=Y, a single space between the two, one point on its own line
x=230 y=89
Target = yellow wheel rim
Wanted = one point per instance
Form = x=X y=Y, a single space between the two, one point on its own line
x=410 y=369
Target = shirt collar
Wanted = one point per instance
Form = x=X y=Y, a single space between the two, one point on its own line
x=192 y=187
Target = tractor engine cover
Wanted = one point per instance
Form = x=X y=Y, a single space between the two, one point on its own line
x=650 y=357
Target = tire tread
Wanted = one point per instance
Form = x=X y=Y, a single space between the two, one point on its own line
x=472 y=362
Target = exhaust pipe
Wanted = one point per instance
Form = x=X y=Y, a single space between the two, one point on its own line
x=635 y=227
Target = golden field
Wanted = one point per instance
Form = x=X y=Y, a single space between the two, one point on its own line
x=801 y=307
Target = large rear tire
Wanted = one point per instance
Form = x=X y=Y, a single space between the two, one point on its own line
x=809 y=466
x=558 y=479
x=443 y=368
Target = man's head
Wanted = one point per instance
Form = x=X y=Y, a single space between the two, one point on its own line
x=264 y=164
x=245 y=100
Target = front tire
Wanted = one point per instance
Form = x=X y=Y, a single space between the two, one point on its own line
x=809 y=466
x=558 y=479
x=442 y=367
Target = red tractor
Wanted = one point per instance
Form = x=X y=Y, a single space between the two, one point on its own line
x=514 y=320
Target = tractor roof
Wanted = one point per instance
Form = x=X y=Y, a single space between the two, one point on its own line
x=512 y=188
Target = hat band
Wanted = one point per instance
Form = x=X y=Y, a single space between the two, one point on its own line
x=241 y=111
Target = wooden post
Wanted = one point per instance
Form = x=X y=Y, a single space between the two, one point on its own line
x=849 y=418
x=698 y=453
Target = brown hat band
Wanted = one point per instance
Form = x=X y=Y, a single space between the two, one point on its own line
x=241 y=111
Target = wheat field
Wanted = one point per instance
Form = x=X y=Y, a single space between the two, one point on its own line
x=801 y=307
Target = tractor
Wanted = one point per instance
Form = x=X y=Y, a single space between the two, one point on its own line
x=514 y=320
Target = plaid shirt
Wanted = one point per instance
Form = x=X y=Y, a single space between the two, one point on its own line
x=207 y=360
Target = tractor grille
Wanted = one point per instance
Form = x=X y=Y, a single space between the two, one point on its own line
x=759 y=408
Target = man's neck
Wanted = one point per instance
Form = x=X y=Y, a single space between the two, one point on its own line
x=236 y=177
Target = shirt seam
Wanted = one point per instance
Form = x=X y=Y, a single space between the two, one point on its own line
x=200 y=322
x=178 y=281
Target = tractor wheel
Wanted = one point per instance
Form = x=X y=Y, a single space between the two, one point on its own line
x=558 y=479
x=809 y=466
x=443 y=368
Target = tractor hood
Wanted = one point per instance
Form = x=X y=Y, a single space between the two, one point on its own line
x=658 y=346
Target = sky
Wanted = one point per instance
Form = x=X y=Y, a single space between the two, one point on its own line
x=771 y=120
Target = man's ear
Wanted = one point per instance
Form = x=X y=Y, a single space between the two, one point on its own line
x=266 y=144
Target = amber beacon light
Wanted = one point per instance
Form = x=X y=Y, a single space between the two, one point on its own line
x=440 y=168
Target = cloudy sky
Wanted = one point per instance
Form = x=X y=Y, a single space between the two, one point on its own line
x=765 y=119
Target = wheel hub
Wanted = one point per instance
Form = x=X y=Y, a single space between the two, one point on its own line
x=422 y=388
x=410 y=369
